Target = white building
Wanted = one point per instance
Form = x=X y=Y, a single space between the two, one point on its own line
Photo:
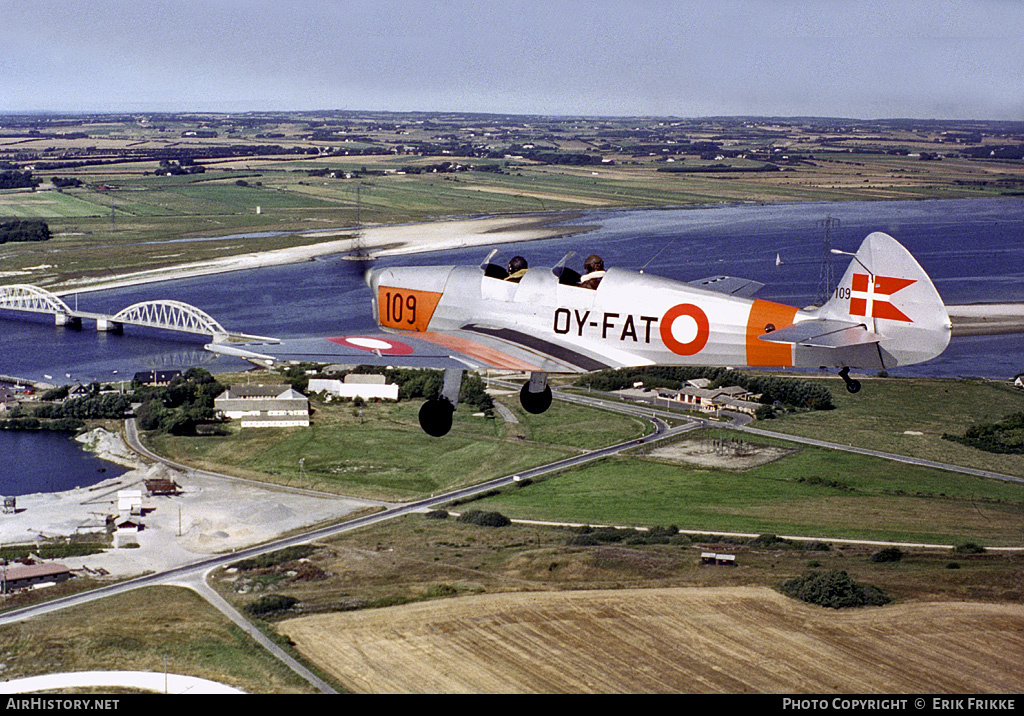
x=264 y=406
x=129 y=502
x=357 y=385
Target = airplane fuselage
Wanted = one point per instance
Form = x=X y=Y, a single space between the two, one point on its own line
x=631 y=319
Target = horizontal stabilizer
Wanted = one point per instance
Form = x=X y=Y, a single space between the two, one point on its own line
x=729 y=285
x=823 y=333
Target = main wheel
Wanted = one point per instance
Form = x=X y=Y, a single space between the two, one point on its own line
x=436 y=417
x=535 y=403
x=853 y=385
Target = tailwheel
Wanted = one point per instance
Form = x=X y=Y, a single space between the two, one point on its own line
x=436 y=417
x=852 y=385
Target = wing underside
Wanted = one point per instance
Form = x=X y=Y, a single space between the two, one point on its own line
x=474 y=347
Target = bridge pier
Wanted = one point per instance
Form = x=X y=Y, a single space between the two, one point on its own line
x=105 y=324
x=68 y=321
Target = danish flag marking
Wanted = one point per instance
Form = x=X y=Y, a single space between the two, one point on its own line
x=873 y=298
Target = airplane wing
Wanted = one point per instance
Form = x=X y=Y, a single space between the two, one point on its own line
x=474 y=346
x=729 y=285
x=823 y=333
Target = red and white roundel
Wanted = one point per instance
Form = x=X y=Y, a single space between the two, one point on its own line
x=384 y=346
x=690 y=335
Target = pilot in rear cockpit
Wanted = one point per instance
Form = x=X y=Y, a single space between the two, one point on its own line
x=517 y=268
x=594 y=267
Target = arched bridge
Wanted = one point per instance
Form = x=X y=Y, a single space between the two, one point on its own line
x=166 y=315
x=170 y=315
x=22 y=297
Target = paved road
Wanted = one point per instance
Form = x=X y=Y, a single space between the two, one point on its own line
x=199 y=584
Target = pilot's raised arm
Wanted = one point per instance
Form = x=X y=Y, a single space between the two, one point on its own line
x=594 y=267
x=517 y=268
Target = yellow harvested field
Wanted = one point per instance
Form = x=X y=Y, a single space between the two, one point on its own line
x=688 y=640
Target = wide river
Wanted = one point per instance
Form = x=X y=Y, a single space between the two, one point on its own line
x=973 y=250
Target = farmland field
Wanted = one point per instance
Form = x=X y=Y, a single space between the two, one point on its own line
x=724 y=640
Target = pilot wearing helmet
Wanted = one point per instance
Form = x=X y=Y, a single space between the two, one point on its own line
x=517 y=268
x=594 y=267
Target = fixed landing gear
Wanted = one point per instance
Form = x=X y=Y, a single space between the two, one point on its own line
x=852 y=385
x=535 y=396
x=436 y=417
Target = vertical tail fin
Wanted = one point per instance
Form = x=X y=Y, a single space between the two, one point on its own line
x=887 y=290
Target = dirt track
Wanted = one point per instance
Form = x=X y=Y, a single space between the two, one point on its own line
x=666 y=640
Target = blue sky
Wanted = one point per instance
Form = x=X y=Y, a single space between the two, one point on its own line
x=946 y=59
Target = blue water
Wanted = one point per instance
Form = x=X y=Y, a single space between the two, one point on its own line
x=972 y=249
x=43 y=461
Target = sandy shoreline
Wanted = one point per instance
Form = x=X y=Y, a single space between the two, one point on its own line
x=986 y=319
x=375 y=241
x=210 y=515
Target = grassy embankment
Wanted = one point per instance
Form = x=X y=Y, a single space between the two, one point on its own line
x=150 y=629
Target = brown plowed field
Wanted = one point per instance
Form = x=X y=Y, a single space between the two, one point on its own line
x=666 y=640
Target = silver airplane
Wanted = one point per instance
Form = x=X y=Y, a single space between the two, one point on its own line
x=884 y=313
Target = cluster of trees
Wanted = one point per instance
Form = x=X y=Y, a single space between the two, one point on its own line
x=18 y=420
x=588 y=536
x=440 y=168
x=715 y=168
x=833 y=588
x=179 y=407
x=792 y=392
x=270 y=604
x=24 y=230
x=65 y=182
x=485 y=519
x=13 y=179
x=551 y=156
x=419 y=383
x=170 y=167
x=1008 y=151
x=107 y=406
x=1005 y=436
x=70 y=415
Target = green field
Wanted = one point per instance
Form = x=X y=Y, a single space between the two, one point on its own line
x=383 y=453
x=49 y=205
x=812 y=492
x=888 y=413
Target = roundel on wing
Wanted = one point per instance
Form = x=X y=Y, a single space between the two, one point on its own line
x=700 y=338
x=369 y=344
